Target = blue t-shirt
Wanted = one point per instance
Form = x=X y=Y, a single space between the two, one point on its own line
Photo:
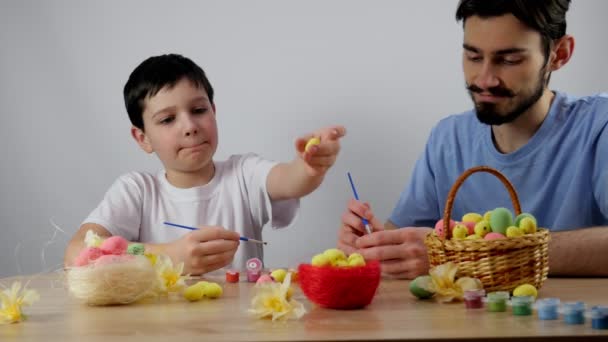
x=560 y=175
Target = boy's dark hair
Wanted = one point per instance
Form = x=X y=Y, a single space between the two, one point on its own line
x=154 y=74
x=547 y=17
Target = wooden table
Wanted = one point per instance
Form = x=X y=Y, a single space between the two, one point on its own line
x=393 y=315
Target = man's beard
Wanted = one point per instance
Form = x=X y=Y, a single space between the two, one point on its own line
x=489 y=114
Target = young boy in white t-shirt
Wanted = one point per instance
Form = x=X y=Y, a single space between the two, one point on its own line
x=170 y=104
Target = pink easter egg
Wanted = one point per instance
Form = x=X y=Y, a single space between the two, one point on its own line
x=470 y=227
x=87 y=255
x=108 y=259
x=264 y=278
x=439 y=227
x=115 y=245
x=494 y=236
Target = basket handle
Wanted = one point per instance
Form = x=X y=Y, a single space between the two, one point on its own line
x=447 y=211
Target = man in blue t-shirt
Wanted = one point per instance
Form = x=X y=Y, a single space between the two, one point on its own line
x=551 y=146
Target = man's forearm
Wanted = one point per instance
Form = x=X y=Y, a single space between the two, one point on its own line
x=580 y=252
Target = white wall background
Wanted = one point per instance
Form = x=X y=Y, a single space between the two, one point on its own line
x=387 y=70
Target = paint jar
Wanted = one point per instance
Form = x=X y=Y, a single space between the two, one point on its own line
x=522 y=305
x=253 y=276
x=232 y=276
x=547 y=308
x=599 y=317
x=574 y=312
x=497 y=301
x=473 y=299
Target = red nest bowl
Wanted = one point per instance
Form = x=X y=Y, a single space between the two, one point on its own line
x=340 y=287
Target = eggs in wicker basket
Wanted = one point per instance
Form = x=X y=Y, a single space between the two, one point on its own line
x=494 y=224
x=334 y=280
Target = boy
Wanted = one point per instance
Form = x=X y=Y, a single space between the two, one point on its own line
x=170 y=104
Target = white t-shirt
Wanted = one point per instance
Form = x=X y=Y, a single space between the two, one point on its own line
x=138 y=203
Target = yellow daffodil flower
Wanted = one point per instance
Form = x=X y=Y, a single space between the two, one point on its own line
x=273 y=300
x=12 y=300
x=445 y=287
x=170 y=277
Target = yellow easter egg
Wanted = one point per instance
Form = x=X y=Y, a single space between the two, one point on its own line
x=459 y=232
x=527 y=225
x=355 y=256
x=525 y=290
x=513 y=231
x=472 y=217
x=473 y=237
x=486 y=216
x=311 y=142
x=213 y=290
x=278 y=275
x=334 y=254
x=340 y=263
x=354 y=262
x=320 y=260
x=482 y=228
x=194 y=293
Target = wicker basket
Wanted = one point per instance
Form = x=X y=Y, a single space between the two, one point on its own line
x=501 y=264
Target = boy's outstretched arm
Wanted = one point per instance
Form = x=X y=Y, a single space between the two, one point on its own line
x=305 y=173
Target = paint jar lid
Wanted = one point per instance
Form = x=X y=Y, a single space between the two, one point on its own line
x=498 y=296
x=599 y=311
x=548 y=303
x=573 y=307
x=522 y=300
x=474 y=294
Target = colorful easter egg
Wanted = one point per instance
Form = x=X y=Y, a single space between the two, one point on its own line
x=460 y=232
x=525 y=290
x=522 y=216
x=500 y=220
x=115 y=245
x=439 y=227
x=514 y=232
x=494 y=236
x=471 y=217
x=482 y=228
x=419 y=287
x=527 y=225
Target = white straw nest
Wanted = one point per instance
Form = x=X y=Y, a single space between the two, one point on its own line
x=120 y=282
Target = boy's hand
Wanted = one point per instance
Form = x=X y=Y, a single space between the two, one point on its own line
x=320 y=157
x=352 y=225
x=204 y=250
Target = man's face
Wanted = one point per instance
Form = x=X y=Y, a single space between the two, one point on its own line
x=504 y=67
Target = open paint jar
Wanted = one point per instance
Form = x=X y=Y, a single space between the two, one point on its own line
x=547 y=308
x=473 y=299
x=599 y=317
x=574 y=312
x=522 y=305
x=497 y=301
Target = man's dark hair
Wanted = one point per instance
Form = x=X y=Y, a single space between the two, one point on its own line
x=154 y=74
x=547 y=17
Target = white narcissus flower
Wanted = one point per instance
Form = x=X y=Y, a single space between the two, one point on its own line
x=273 y=300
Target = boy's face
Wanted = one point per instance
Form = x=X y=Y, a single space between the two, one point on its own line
x=180 y=127
x=504 y=67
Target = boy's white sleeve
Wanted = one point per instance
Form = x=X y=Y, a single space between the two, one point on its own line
x=120 y=210
x=255 y=172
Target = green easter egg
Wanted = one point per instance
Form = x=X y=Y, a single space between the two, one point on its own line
x=521 y=216
x=136 y=249
x=419 y=287
x=500 y=220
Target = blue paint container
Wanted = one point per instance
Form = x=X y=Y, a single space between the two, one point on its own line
x=547 y=308
x=574 y=312
x=599 y=317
